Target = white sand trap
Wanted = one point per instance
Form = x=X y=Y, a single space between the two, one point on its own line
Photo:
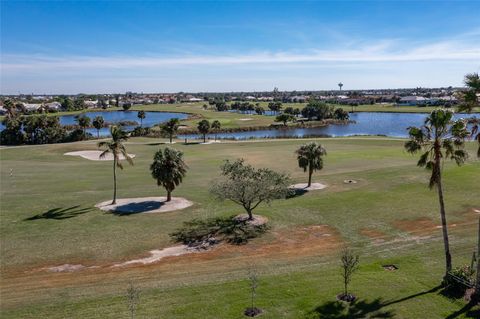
x=144 y=205
x=210 y=142
x=169 y=142
x=245 y=119
x=313 y=186
x=158 y=254
x=95 y=155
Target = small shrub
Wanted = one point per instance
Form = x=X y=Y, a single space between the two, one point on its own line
x=453 y=287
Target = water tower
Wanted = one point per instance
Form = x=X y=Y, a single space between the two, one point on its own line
x=340 y=85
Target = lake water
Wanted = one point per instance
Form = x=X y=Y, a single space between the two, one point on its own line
x=367 y=123
x=151 y=119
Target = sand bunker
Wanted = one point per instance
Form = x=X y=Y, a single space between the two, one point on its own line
x=313 y=186
x=158 y=254
x=245 y=119
x=145 y=205
x=210 y=142
x=95 y=155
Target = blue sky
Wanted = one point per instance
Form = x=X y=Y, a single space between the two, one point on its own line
x=150 y=46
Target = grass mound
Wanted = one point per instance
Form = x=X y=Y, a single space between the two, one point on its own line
x=214 y=230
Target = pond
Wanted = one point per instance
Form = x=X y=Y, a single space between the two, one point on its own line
x=151 y=119
x=366 y=123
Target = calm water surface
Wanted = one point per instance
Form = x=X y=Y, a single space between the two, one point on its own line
x=367 y=123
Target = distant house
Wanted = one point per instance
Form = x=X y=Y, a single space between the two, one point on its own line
x=412 y=101
x=54 y=106
x=298 y=99
x=91 y=104
x=31 y=107
x=194 y=99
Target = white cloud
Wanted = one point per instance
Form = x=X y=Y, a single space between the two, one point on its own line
x=382 y=51
x=384 y=63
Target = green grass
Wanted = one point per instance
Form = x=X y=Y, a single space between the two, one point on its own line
x=390 y=188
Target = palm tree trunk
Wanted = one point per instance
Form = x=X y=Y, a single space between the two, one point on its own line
x=169 y=196
x=98 y=133
x=171 y=136
x=310 y=172
x=448 y=257
x=114 y=201
x=204 y=138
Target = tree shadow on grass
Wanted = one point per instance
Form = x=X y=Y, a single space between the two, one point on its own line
x=60 y=213
x=356 y=310
x=136 y=208
x=218 y=229
x=296 y=192
x=467 y=311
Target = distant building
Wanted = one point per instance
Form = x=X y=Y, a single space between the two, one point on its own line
x=412 y=101
x=32 y=107
x=91 y=104
x=54 y=106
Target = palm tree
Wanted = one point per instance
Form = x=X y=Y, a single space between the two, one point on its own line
x=141 y=116
x=116 y=148
x=309 y=158
x=204 y=127
x=83 y=121
x=216 y=125
x=170 y=128
x=439 y=138
x=169 y=169
x=98 y=123
x=470 y=100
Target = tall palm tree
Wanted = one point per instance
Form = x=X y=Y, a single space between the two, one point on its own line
x=98 y=123
x=471 y=100
x=141 y=116
x=204 y=127
x=170 y=128
x=83 y=121
x=116 y=148
x=216 y=125
x=309 y=158
x=439 y=138
x=169 y=169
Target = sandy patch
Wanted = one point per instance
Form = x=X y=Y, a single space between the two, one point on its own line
x=158 y=254
x=350 y=181
x=68 y=268
x=245 y=119
x=257 y=219
x=169 y=142
x=419 y=226
x=313 y=186
x=95 y=155
x=376 y=235
x=145 y=205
